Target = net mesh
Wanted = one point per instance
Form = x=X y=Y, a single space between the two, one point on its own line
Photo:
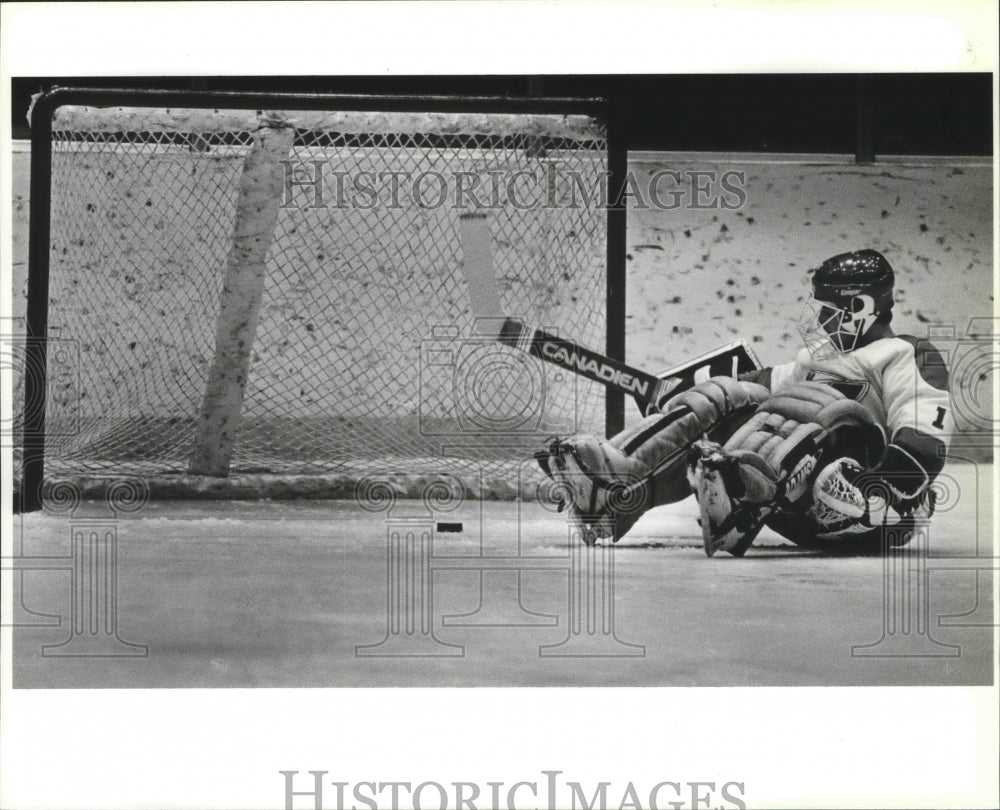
x=365 y=357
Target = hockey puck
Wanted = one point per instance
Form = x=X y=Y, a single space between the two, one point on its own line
x=449 y=527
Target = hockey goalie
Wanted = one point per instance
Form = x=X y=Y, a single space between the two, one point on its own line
x=829 y=450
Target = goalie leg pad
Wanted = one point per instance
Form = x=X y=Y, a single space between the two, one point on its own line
x=796 y=423
x=660 y=442
x=779 y=450
x=607 y=485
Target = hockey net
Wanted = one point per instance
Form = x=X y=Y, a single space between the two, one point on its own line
x=364 y=358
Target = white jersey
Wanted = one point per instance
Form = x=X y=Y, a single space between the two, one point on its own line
x=903 y=382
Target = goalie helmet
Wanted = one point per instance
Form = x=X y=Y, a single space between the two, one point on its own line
x=851 y=291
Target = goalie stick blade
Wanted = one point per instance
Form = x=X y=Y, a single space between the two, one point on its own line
x=730 y=360
x=727 y=361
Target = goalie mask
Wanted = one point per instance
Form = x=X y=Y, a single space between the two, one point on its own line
x=850 y=293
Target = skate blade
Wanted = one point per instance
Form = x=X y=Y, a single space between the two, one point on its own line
x=714 y=507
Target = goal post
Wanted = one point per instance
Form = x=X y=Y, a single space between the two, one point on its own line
x=258 y=200
x=270 y=285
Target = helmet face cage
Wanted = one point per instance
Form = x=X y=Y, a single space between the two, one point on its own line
x=850 y=292
x=830 y=328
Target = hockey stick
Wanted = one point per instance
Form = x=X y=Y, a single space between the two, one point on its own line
x=648 y=390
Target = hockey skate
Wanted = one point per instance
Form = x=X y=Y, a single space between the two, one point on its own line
x=725 y=525
x=599 y=488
